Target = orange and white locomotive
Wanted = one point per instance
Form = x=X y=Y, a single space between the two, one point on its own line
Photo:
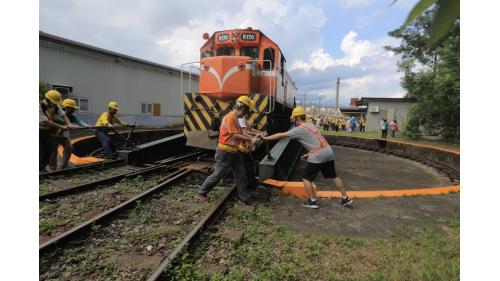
x=233 y=63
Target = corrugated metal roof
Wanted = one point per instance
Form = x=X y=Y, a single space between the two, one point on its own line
x=46 y=37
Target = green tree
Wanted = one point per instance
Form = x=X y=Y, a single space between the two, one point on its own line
x=447 y=13
x=431 y=74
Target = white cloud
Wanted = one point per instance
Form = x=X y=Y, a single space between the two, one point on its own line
x=354 y=51
x=366 y=69
x=355 y=3
x=318 y=60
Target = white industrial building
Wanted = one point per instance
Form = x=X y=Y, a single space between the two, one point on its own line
x=147 y=93
x=377 y=109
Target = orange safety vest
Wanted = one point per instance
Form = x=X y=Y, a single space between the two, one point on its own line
x=226 y=141
x=318 y=136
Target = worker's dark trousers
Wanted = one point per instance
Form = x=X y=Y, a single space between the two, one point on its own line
x=250 y=169
x=107 y=145
x=65 y=142
x=45 y=146
x=384 y=134
x=225 y=162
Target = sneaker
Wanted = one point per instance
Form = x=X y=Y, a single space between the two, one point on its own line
x=346 y=201
x=201 y=197
x=311 y=204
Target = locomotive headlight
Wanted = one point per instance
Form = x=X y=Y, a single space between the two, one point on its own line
x=241 y=66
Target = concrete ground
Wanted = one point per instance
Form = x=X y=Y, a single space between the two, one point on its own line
x=368 y=170
x=379 y=217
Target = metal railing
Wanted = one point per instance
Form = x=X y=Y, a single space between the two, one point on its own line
x=191 y=66
x=271 y=105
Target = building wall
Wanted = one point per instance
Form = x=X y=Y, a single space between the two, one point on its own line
x=102 y=79
x=388 y=110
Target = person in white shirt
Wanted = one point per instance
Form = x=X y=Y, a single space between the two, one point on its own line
x=246 y=150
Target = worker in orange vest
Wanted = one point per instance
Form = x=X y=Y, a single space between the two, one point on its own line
x=227 y=156
x=320 y=157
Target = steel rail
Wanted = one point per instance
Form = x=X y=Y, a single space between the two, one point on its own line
x=81 y=168
x=84 y=227
x=115 y=178
x=192 y=235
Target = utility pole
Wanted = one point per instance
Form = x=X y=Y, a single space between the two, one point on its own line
x=337 y=98
x=319 y=105
x=305 y=101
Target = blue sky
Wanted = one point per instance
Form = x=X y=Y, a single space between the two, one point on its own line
x=320 y=39
x=371 y=20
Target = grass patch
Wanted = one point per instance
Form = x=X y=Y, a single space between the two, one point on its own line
x=271 y=251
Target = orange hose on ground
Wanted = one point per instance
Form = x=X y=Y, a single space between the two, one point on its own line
x=80 y=160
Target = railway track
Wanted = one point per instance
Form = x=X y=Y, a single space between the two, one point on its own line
x=161 y=165
x=137 y=239
x=63 y=209
x=452 y=173
x=82 y=168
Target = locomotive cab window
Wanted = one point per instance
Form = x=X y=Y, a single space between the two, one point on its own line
x=207 y=54
x=252 y=52
x=225 y=51
x=269 y=54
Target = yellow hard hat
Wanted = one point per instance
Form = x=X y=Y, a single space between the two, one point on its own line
x=246 y=101
x=298 y=111
x=53 y=96
x=70 y=103
x=113 y=105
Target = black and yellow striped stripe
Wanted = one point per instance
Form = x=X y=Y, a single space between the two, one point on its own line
x=200 y=110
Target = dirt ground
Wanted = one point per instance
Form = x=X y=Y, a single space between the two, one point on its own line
x=368 y=170
x=380 y=217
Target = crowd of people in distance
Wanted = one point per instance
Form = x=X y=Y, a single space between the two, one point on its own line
x=348 y=124
x=353 y=124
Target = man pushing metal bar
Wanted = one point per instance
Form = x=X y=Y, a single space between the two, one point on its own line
x=320 y=157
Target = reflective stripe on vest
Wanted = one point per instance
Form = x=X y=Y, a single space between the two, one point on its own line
x=320 y=138
x=227 y=147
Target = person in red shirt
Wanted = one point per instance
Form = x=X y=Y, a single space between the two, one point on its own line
x=227 y=156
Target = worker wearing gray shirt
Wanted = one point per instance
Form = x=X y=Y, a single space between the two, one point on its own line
x=320 y=157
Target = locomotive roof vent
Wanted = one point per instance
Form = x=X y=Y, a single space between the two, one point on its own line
x=249 y=28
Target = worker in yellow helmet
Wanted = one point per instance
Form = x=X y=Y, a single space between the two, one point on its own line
x=227 y=156
x=320 y=157
x=53 y=126
x=70 y=107
x=107 y=120
x=246 y=148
